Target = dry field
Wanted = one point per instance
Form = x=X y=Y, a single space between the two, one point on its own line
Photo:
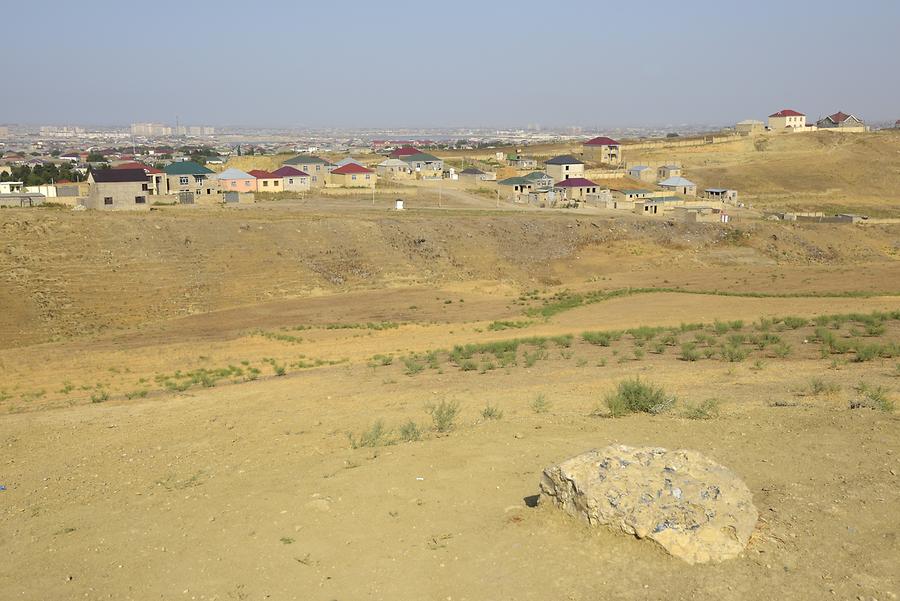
x=296 y=401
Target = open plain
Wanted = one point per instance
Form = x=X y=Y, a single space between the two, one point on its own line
x=253 y=403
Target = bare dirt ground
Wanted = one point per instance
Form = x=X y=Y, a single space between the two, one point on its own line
x=126 y=479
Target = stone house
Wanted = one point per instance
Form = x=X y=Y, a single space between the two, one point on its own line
x=352 y=175
x=292 y=179
x=118 y=189
x=575 y=188
x=266 y=181
x=317 y=168
x=184 y=177
x=602 y=150
x=564 y=167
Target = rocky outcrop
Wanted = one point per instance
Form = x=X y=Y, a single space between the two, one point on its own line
x=696 y=509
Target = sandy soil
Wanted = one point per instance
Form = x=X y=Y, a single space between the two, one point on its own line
x=252 y=489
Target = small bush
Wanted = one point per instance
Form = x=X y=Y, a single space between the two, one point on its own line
x=490 y=412
x=409 y=432
x=872 y=397
x=733 y=353
x=707 y=409
x=689 y=352
x=375 y=436
x=635 y=396
x=819 y=386
x=100 y=396
x=540 y=404
x=443 y=415
x=412 y=366
x=601 y=338
x=782 y=350
x=136 y=394
x=794 y=322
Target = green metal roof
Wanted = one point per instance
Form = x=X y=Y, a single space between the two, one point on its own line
x=514 y=181
x=537 y=175
x=305 y=160
x=186 y=168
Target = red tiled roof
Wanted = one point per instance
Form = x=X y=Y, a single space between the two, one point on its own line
x=288 y=171
x=405 y=151
x=839 y=117
x=351 y=168
x=260 y=174
x=601 y=141
x=575 y=182
x=63 y=181
x=787 y=113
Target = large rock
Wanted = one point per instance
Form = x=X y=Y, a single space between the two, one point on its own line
x=698 y=510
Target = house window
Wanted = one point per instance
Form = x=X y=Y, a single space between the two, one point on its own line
x=567 y=167
x=315 y=178
x=184 y=180
x=233 y=184
x=275 y=183
x=290 y=180
x=353 y=177
x=265 y=184
x=139 y=200
x=318 y=167
x=367 y=176
x=107 y=200
x=145 y=187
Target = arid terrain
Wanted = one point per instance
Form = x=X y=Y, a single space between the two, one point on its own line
x=244 y=403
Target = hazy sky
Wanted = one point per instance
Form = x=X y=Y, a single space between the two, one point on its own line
x=389 y=63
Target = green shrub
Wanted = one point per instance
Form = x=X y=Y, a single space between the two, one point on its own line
x=99 y=396
x=601 y=338
x=136 y=394
x=409 y=432
x=635 y=396
x=689 y=352
x=819 y=386
x=375 y=436
x=794 y=322
x=443 y=415
x=411 y=366
x=872 y=397
x=540 y=404
x=707 y=409
x=733 y=353
x=782 y=350
x=490 y=412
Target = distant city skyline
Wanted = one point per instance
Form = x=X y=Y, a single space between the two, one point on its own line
x=279 y=64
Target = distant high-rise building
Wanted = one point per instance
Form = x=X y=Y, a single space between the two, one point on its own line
x=4 y=131
x=54 y=131
x=150 y=129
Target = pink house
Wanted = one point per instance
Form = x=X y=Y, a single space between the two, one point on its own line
x=235 y=180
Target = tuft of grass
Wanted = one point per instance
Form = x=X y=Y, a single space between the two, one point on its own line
x=689 y=352
x=410 y=432
x=99 y=396
x=443 y=415
x=490 y=412
x=375 y=436
x=136 y=394
x=540 y=404
x=818 y=386
x=496 y=326
x=601 y=338
x=794 y=323
x=635 y=396
x=733 y=353
x=872 y=397
x=707 y=409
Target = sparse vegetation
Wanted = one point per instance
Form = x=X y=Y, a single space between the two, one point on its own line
x=443 y=415
x=635 y=396
x=872 y=397
x=707 y=409
x=491 y=412
x=375 y=436
x=540 y=404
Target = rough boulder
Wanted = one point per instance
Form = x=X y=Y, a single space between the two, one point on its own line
x=698 y=510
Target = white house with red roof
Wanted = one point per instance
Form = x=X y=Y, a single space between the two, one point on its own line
x=602 y=150
x=843 y=122
x=352 y=175
x=787 y=119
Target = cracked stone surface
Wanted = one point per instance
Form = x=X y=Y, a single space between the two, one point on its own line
x=697 y=510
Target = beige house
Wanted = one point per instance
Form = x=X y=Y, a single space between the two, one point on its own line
x=471 y=174
x=317 y=168
x=394 y=169
x=750 y=127
x=266 y=181
x=787 y=119
x=352 y=175
x=424 y=165
x=564 y=167
x=602 y=150
x=642 y=173
x=667 y=171
x=721 y=194
x=575 y=188
x=118 y=189
x=293 y=180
